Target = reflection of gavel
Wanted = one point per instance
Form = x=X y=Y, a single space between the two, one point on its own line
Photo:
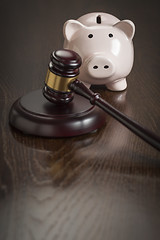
x=61 y=82
x=62 y=78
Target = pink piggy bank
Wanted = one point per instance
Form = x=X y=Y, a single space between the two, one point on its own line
x=105 y=46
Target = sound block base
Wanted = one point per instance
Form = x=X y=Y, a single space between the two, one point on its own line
x=33 y=114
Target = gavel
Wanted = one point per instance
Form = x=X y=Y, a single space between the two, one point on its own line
x=61 y=82
x=60 y=85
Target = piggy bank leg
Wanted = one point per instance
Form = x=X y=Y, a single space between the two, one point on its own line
x=118 y=85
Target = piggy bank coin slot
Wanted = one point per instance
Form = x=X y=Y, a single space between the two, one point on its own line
x=99 y=19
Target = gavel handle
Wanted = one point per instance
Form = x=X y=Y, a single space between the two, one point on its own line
x=95 y=99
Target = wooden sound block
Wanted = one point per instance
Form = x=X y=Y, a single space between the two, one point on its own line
x=33 y=114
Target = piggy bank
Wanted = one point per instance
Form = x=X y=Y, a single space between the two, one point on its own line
x=105 y=46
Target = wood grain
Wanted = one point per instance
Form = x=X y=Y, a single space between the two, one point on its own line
x=104 y=185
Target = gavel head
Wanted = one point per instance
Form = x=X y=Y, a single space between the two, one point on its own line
x=63 y=69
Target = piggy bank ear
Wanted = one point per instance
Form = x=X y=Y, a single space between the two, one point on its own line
x=127 y=27
x=70 y=27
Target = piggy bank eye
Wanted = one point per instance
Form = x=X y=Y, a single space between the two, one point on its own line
x=90 y=35
x=110 y=35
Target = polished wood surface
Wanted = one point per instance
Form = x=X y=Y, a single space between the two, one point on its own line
x=104 y=185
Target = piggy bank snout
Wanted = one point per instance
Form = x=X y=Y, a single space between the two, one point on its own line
x=100 y=67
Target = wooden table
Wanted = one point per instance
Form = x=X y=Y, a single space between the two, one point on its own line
x=104 y=185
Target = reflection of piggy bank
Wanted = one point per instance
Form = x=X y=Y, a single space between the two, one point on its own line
x=105 y=46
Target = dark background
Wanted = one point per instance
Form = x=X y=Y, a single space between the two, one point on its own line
x=99 y=186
